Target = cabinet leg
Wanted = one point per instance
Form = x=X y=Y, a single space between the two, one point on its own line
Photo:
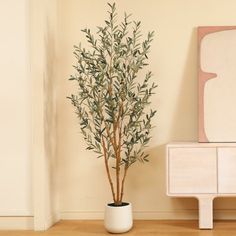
x=205 y=212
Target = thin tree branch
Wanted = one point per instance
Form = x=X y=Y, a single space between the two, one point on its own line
x=123 y=182
x=107 y=169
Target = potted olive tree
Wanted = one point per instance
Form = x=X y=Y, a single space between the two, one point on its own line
x=111 y=102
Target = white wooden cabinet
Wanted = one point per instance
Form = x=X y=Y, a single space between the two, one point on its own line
x=203 y=171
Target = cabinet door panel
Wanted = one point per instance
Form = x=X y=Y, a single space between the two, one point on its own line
x=192 y=170
x=227 y=170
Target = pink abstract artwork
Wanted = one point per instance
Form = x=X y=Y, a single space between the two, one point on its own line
x=217 y=83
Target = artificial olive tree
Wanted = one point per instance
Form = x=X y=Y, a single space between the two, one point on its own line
x=110 y=101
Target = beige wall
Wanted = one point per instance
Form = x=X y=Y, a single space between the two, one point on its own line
x=43 y=61
x=83 y=186
x=15 y=122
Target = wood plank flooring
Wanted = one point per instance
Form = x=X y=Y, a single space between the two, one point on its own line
x=141 y=227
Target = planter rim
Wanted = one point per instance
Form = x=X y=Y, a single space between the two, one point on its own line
x=127 y=204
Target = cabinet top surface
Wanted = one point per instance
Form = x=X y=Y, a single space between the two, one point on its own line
x=196 y=144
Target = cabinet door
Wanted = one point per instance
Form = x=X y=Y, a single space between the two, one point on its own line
x=192 y=170
x=227 y=170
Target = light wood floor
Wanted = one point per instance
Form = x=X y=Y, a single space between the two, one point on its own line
x=144 y=228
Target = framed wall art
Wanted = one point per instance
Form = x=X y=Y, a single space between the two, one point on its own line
x=217 y=83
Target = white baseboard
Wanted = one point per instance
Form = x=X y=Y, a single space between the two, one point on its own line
x=52 y=219
x=44 y=223
x=82 y=215
x=138 y=215
x=150 y=215
x=166 y=215
x=16 y=222
x=27 y=222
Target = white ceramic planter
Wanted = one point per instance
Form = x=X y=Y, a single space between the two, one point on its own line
x=118 y=219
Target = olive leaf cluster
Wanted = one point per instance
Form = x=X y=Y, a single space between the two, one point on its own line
x=110 y=102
